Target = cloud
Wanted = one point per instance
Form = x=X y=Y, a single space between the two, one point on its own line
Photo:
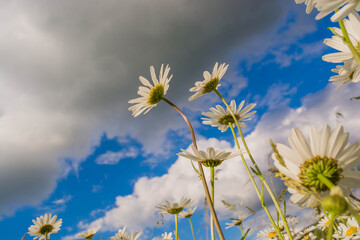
x=114 y=157
x=317 y=109
x=70 y=67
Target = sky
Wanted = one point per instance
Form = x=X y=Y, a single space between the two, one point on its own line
x=70 y=147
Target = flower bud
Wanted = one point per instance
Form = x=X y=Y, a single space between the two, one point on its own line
x=335 y=204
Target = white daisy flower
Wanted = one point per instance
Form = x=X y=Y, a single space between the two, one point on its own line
x=188 y=213
x=349 y=231
x=174 y=208
x=210 y=82
x=220 y=118
x=123 y=235
x=211 y=158
x=323 y=223
x=167 y=236
x=236 y=221
x=88 y=234
x=150 y=94
x=327 y=153
x=44 y=226
x=347 y=73
x=268 y=233
x=327 y=6
x=306 y=234
x=353 y=28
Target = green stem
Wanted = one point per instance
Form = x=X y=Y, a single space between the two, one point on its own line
x=331 y=228
x=325 y=181
x=202 y=175
x=347 y=40
x=176 y=227
x=241 y=230
x=192 y=228
x=255 y=186
x=46 y=236
x=259 y=173
x=212 y=182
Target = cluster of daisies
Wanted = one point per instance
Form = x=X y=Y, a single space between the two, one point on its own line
x=346 y=39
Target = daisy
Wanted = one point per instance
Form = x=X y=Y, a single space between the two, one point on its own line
x=44 y=226
x=210 y=82
x=188 y=213
x=348 y=73
x=327 y=6
x=220 y=118
x=88 y=234
x=211 y=158
x=323 y=223
x=327 y=153
x=167 y=236
x=353 y=28
x=174 y=208
x=306 y=234
x=150 y=94
x=236 y=221
x=123 y=235
x=349 y=231
x=268 y=233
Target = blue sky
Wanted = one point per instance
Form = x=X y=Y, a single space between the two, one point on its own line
x=70 y=146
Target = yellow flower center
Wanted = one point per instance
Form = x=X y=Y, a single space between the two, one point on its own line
x=271 y=234
x=351 y=231
x=326 y=223
x=156 y=94
x=211 y=85
x=306 y=237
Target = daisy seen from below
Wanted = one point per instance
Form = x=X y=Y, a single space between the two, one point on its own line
x=174 y=208
x=88 y=234
x=188 y=213
x=44 y=226
x=210 y=82
x=210 y=158
x=328 y=6
x=327 y=155
x=123 y=235
x=348 y=231
x=268 y=233
x=352 y=26
x=167 y=236
x=323 y=223
x=310 y=4
x=347 y=73
x=150 y=94
x=220 y=118
x=236 y=221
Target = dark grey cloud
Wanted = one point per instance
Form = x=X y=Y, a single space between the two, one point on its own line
x=69 y=68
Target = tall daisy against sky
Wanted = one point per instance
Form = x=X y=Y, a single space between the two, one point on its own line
x=220 y=118
x=88 y=234
x=328 y=6
x=327 y=153
x=150 y=94
x=347 y=73
x=123 y=235
x=236 y=221
x=210 y=82
x=44 y=226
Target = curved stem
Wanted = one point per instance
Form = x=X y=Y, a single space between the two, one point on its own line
x=202 y=175
x=347 y=40
x=259 y=173
x=212 y=182
x=255 y=186
x=192 y=228
x=176 y=227
x=241 y=230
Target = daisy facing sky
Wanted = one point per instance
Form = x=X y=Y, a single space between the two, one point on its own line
x=328 y=153
x=44 y=226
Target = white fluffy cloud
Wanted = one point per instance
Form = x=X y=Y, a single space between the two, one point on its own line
x=69 y=68
x=317 y=109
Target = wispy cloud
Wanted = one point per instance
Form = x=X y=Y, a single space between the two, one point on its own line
x=115 y=157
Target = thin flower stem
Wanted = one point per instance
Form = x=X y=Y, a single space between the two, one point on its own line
x=347 y=40
x=241 y=230
x=259 y=173
x=192 y=228
x=176 y=227
x=202 y=175
x=23 y=236
x=331 y=228
x=212 y=182
x=255 y=186
x=46 y=236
